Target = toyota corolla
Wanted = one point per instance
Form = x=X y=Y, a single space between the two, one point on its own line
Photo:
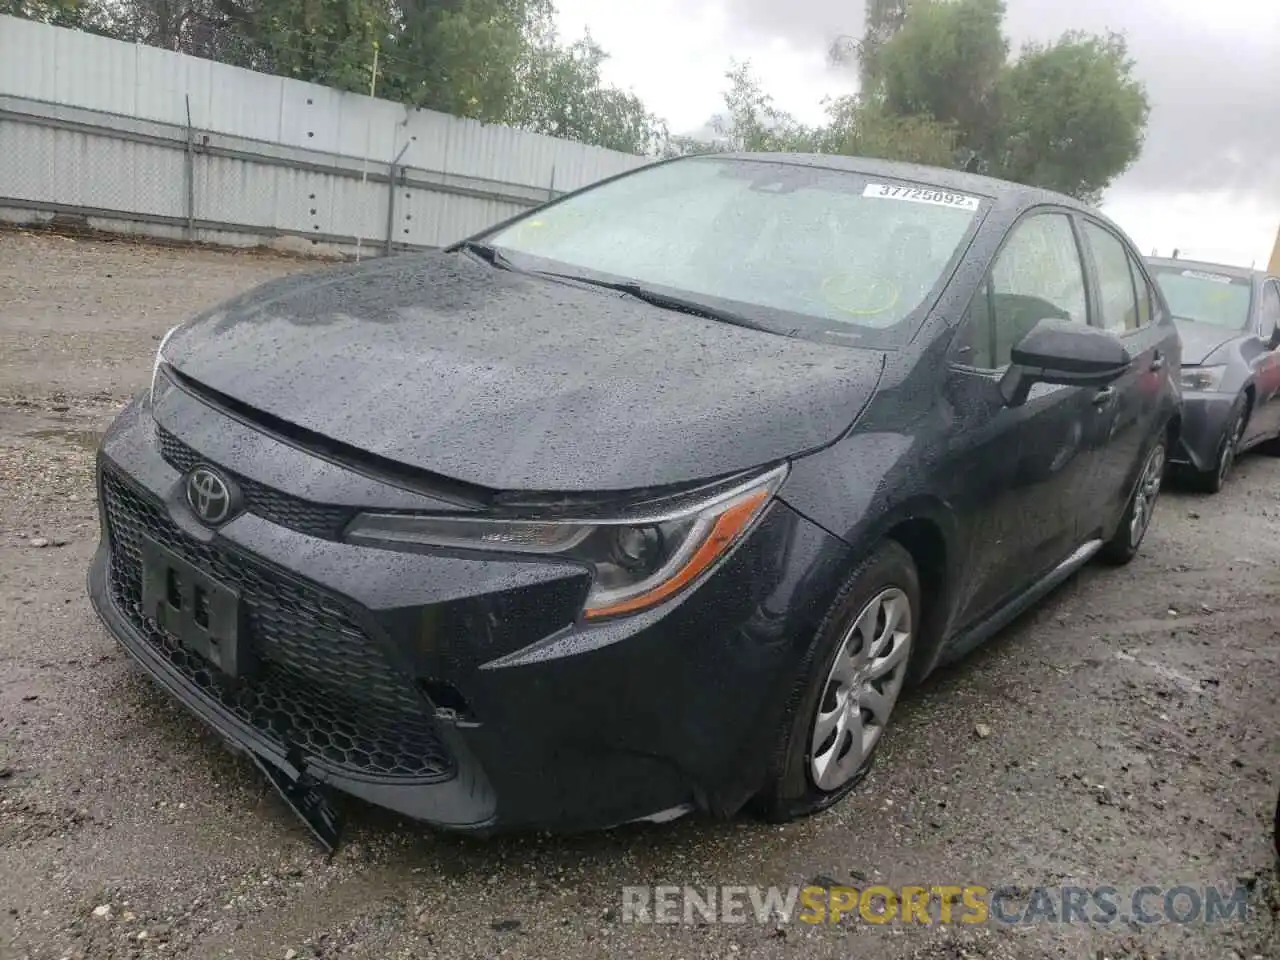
x=650 y=500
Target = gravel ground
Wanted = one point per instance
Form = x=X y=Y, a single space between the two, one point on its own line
x=1123 y=733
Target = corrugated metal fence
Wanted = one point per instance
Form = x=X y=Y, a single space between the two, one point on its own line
x=138 y=139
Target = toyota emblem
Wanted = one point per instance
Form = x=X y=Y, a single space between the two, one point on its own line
x=210 y=495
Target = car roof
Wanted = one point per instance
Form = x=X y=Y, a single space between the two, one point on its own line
x=1225 y=269
x=1005 y=192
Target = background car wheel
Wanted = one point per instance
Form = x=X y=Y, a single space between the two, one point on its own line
x=848 y=686
x=1124 y=543
x=1276 y=828
x=1211 y=481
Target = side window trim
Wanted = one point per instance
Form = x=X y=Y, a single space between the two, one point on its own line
x=1141 y=294
x=1159 y=309
x=1092 y=297
x=984 y=288
x=1093 y=263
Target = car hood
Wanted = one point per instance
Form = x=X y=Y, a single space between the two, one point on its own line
x=513 y=382
x=1200 y=340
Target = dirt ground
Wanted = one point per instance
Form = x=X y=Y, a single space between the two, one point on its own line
x=1125 y=733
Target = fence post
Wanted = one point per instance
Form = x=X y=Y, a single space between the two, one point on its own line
x=391 y=209
x=397 y=172
x=551 y=189
x=190 y=172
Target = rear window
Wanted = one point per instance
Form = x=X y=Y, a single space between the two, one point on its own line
x=832 y=250
x=1203 y=296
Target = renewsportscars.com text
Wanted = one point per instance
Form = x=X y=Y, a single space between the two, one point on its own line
x=938 y=904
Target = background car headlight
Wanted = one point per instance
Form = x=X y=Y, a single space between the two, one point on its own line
x=155 y=367
x=637 y=562
x=1202 y=378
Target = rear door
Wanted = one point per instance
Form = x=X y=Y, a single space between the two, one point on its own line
x=1021 y=475
x=1131 y=410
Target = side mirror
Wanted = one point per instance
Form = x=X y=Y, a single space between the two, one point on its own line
x=1063 y=352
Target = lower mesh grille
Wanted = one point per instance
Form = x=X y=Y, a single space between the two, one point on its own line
x=320 y=681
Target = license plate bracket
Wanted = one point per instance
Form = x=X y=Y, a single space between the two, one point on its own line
x=202 y=614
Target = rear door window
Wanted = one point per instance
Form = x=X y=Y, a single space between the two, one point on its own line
x=1117 y=296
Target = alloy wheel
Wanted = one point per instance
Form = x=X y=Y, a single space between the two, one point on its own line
x=1231 y=443
x=1144 y=497
x=861 y=689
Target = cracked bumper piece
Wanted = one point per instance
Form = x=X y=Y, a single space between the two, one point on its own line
x=1205 y=418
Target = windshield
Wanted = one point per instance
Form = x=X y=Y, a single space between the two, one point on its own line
x=796 y=248
x=1206 y=297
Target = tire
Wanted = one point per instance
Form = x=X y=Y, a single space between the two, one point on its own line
x=1127 y=539
x=1275 y=831
x=1213 y=480
x=885 y=582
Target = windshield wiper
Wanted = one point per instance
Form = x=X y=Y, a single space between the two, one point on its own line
x=490 y=255
x=667 y=302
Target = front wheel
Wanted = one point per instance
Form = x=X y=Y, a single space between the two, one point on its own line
x=848 y=686
x=1124 y=543
x=1213 y=479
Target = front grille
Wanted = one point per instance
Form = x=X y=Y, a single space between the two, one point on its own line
x=320 y=682
x=314 y=519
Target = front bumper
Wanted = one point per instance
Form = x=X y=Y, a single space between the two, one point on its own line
x=1205 y=419
x=463 y=692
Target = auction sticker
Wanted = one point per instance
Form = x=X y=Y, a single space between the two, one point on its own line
x=938 y=198
x=1199 y=275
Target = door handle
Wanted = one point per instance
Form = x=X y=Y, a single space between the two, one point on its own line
x=1104 y=396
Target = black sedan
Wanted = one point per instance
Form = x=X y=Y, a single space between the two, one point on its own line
x=650 y=500
x=1229 y=320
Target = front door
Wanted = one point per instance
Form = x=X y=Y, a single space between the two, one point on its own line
x=1021 y=474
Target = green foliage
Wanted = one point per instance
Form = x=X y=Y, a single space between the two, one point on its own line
x=870 y=130
x=937 y=84
x=944 y=62
x=560 y=93
x=938 y=88
x=755 y=123
x=322 y=41
x=460 y=56
x=1073 y=115
x=91 y=16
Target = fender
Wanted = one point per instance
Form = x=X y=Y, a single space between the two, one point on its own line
x=879 y=497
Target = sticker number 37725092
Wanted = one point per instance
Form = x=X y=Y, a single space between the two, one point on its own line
x=939 y=198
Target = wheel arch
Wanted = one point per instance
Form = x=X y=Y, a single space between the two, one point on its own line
x=928 y=530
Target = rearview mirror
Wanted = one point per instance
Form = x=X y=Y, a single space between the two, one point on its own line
x=1063 y=352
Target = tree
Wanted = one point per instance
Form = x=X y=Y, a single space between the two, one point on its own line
x=945 y=62
x=937 y=85
x=462 y=56
x=330 y=42
x=1072 y=116
x=559 y=92
x=862 y=129
x=755 y=123
x=884 y=18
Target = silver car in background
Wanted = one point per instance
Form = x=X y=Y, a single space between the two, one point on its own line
x=1229 y=321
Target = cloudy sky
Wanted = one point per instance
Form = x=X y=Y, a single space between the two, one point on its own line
x=1208 y=181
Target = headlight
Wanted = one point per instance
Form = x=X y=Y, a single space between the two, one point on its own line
x=155 y=367
x=1205 y=379
x=637 y=561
